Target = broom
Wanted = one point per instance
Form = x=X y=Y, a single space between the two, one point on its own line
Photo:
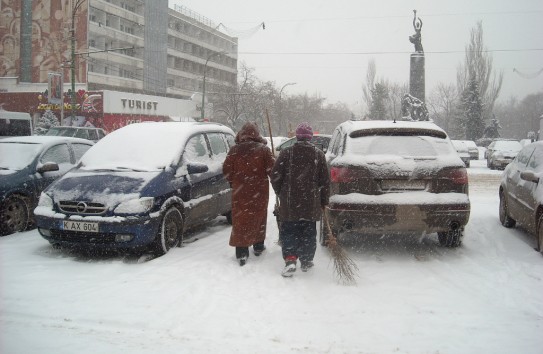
x=344 y=267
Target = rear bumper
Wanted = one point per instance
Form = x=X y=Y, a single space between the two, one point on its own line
x=402 y=212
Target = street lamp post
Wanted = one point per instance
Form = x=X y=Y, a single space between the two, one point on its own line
x=280 y=104
x=204 y=83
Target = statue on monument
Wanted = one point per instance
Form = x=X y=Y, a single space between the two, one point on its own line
x=416 y=38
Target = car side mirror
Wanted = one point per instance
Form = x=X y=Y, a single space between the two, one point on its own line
x=48 y=167
x=196 y=167
x=529 y=176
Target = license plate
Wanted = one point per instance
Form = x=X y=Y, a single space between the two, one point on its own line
x=402 y=185
x=80 y=226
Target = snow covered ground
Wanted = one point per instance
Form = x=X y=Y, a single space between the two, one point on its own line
x=412 y=296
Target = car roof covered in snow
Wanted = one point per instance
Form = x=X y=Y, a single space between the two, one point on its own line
x=386 y=127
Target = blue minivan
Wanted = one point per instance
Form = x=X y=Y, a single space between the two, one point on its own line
x=140 y=187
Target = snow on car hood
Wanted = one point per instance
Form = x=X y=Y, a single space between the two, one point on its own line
x=108 y=188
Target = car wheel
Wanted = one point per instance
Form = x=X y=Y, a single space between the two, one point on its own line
x=324 y=233
x=14 y=215
x=171 y=231
x=540 y=234
x=505 y=219
x=450 y=238
x=229 y=217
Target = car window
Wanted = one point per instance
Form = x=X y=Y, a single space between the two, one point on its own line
x=217 y=143
x=82 y=133
x=288 y=143
x=536 y=160
x=524 y=155
x=399 y=145
x=334 y=142
x=93 y=135
x=231 y=140
x=58 y=153
x=79 y=150
x=196 y=149
x=100 y=134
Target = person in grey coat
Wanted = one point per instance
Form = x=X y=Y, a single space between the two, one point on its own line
x=301 y=181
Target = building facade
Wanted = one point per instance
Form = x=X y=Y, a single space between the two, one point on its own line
x=137 y=46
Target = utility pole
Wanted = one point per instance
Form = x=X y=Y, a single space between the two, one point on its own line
x=202 y=116
x=76 y=4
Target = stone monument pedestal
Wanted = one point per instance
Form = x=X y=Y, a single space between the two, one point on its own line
x=416 y=77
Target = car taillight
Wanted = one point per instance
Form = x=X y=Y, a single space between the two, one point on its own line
x=342 y=175
x=457 y=175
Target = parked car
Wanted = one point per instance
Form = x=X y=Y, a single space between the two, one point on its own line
x=15 y=123
x=28 y=164
x=501 y=152
x=277 y=140
x=140 y=187
x=525 y=142
x=396 y=177
x=88 y=133
x=472 y=149
x=521 y=193
x=462 y=149
x=320 y=140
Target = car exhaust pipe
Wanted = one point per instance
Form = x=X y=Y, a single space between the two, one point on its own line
x=455 y=225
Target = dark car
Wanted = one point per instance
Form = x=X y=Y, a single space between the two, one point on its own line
x=28 y=164
x=139 y=188
x=396 y=177
x=521 y=193
x=319 y=140
x=89 y=133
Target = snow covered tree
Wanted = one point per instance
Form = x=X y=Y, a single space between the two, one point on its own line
x=46 y=121
x=379 y=97
x=472 y=109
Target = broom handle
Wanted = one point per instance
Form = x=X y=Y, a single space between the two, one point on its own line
x=327 y=223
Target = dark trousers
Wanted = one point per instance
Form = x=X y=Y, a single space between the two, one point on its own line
x=299 y=240
x=243 y=252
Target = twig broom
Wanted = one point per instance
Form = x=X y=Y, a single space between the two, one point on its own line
x=344 y=267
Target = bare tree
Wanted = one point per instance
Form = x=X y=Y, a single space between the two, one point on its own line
x=394 y=100
x=441 y=104
x=371 y=75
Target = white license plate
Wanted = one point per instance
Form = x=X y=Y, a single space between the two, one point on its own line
x=80 y=226
x=403 y=185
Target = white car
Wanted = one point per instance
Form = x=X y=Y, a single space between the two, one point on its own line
x=462 y=150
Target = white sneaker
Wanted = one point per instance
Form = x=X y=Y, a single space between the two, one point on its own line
x=289 y=269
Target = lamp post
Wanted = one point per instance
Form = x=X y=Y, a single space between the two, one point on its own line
x=76 y=4
x=280 y=104
x=204 y=83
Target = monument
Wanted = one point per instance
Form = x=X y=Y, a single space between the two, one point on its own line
x=413 y=103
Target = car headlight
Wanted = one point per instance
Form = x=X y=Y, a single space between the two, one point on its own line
x=45 y=201
x=135 y=206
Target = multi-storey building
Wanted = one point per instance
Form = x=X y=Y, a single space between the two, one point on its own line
x=133 y=46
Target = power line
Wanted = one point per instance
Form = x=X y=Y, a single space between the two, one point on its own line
x=391 y=52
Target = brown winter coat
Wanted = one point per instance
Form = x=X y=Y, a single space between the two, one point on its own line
x=247 y=167
x=300 y=178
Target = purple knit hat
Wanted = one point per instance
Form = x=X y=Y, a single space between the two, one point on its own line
x=304 y=131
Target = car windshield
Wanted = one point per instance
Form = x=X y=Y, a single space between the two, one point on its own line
x=507 y=145
x=405 y=146
x=56 y=131
x=16 y=156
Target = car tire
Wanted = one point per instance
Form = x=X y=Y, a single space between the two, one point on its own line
x=451 y=238
x=14 y=215
x=170 y=233
x=540 y=234
x=505 y=219
x=229 y=217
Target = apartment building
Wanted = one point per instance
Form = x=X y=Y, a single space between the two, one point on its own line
x=137 y=46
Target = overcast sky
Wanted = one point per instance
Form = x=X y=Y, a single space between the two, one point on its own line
x=324 y=46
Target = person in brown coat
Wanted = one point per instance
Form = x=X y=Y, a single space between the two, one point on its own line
x=301 y=181
x=247 y=167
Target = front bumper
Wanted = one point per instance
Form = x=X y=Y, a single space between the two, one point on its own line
x=141 y=231
x=401 y=212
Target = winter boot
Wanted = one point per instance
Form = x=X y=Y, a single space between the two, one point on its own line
x=290 y=268
x=258 y=248
x=306 y=266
